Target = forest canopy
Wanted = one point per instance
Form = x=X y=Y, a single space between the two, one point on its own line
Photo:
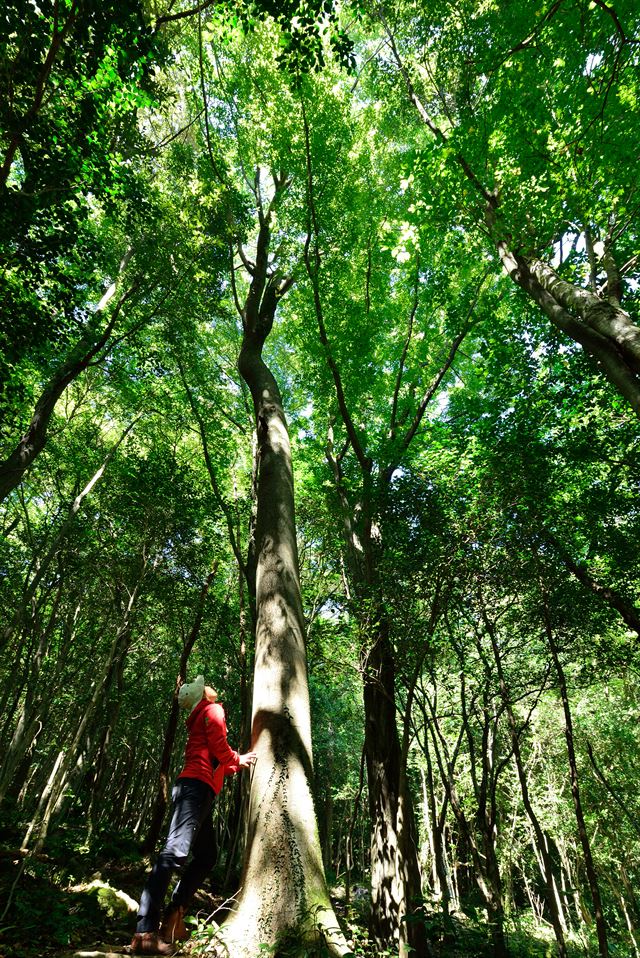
x=320 y=377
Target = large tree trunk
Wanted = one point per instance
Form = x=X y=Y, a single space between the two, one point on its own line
x=603 y=329
x=283 y=893
x=395 y=874
x=396 y=889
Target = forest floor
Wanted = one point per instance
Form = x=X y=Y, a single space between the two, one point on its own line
x=70 y=903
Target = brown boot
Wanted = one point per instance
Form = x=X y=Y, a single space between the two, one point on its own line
x=150 y=943
x=173 y=927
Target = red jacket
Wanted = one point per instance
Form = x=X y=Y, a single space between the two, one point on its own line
x=208 y=741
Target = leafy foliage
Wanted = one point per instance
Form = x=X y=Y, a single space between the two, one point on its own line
x=464 y=473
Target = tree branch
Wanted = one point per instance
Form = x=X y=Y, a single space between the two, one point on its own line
x=217 y=492
x=172 y=17
x=313 y=271
x=412 y=316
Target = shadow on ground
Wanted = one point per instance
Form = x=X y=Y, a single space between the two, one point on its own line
x=71 y=900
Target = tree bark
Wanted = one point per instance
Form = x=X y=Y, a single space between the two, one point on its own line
x=628 y=612
x=592 y=877
x=526 y=799
x=604 y=332
x=283 y=895
x=395 y=875
x=603 y=329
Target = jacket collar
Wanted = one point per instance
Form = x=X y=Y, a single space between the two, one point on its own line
x=196 y=712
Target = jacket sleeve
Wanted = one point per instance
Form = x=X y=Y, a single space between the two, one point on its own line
x=217 y=743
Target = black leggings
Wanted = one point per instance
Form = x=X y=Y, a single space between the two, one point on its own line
x=191 y=829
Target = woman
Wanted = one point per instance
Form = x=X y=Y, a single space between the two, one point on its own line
x=208 y=758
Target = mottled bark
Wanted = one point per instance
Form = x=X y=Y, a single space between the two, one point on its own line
x=605 y=317
x=603 y=330
x=283 y=891
x=395 y=874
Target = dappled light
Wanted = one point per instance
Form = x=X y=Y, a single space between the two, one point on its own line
x=319 y=474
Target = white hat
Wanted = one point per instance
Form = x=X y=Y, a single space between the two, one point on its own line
x=190 y=694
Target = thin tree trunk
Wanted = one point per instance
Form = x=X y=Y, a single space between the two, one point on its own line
x=484 y=786
x=575 y=895
x=162 y=794
x=237 y=818
x=629 y=924
x=631 y=894
x=43 y=564
x=29 y=714
x=592 y=878
x=428 y=816
x=486 y=878
x=68 y=756
x=631 y=928
x=565 y=884
x=348 y=838
x=628 y=612
x=40 y=707
x=526 y=799
x=556 y=891
x=327 y=823
x=33 y=441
